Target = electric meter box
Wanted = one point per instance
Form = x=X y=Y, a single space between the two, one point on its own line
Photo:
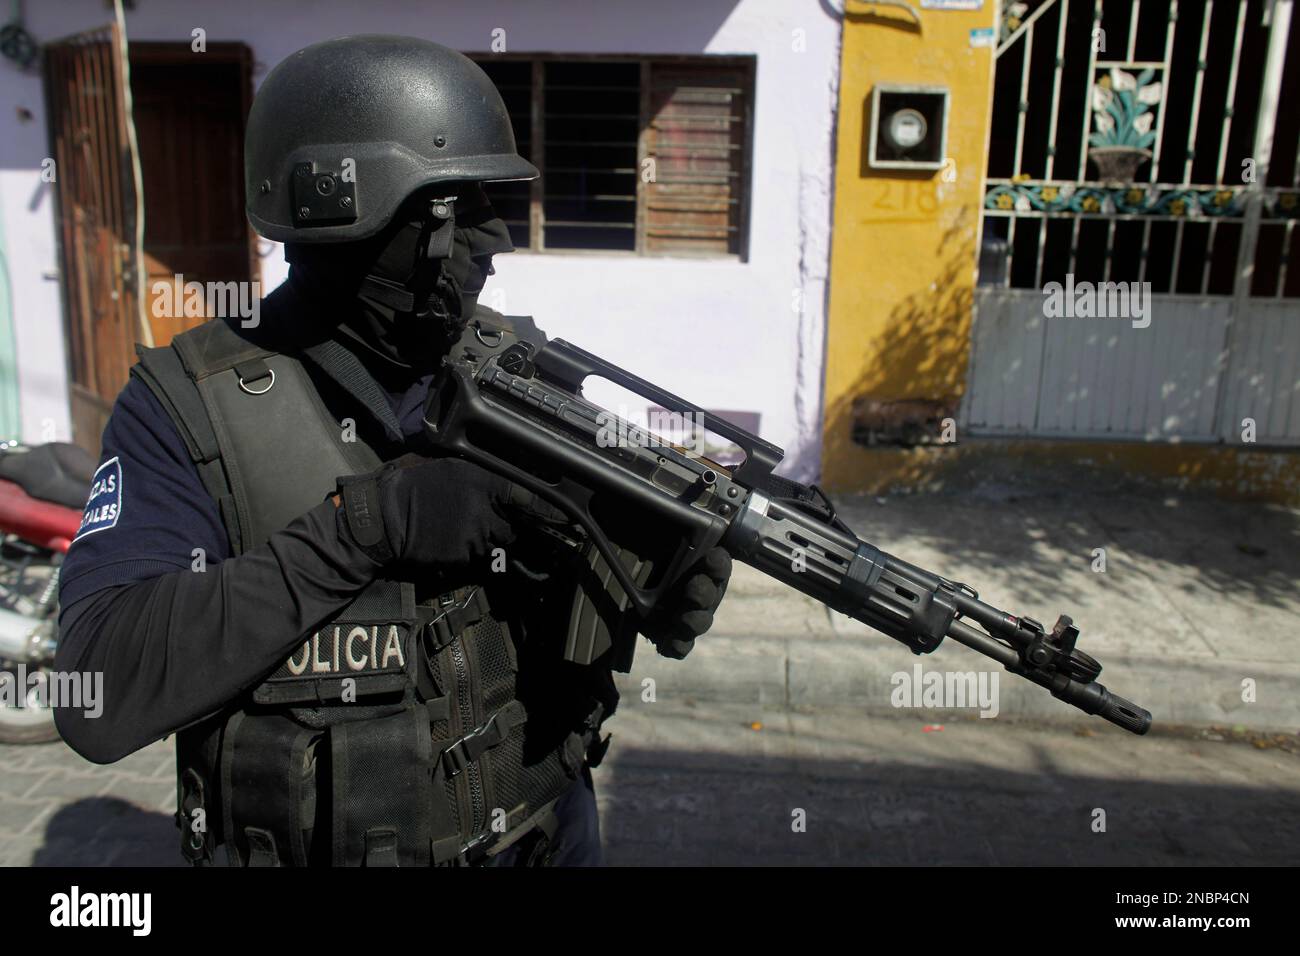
x=909 y=127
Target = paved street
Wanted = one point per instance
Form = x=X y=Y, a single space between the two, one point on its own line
x=784 y=707
x=60 y=810
x=695 y=787
x=691 y=784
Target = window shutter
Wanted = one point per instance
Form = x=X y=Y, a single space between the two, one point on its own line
x=512 y=200
x=696 y=133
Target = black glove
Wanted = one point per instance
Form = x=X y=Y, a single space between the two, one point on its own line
x=445 y=512
x=686 y=610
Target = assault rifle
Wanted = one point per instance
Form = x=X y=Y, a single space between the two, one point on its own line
x=644 y=509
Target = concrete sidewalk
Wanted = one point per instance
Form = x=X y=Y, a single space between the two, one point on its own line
x=1198 y=595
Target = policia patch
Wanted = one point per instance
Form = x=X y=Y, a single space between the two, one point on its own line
x=361 y=653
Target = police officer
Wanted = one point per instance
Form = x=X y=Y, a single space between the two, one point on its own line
x=357 y=645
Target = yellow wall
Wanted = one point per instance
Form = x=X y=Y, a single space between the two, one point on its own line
x=904 y=248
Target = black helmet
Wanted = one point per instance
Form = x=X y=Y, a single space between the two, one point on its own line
x=342 y=132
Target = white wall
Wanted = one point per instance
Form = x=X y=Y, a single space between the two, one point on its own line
x=721 y=333
x=31 y=259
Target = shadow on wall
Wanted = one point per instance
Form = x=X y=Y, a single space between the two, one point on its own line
x=914 y=383
x=904 y=17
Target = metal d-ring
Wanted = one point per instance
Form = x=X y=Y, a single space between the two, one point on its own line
x=260 y=391
x=478 y=334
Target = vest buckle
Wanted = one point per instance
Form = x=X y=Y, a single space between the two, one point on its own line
x=453 y=617
x=461 y=753
x=476 y=850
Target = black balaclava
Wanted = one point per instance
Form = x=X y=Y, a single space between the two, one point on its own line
x=407 y=293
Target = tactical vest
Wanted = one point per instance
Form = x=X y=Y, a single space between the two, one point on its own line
x=394 y=734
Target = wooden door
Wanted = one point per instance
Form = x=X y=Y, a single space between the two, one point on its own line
x=189 y=111
x=96 y=197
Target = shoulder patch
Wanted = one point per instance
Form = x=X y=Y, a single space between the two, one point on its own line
x=104 y=506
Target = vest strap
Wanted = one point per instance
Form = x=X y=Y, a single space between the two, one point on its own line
x=381 y=847
x=540 y=826
x=346 y=369
x=162 y=371
x=461 y=753
x=261 y=847
x=451 y=615
x=255 y=375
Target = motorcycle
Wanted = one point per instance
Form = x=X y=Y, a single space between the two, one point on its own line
x=43 y=491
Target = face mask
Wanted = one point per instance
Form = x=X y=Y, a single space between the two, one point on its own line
x=449 y=288
x=415 y=286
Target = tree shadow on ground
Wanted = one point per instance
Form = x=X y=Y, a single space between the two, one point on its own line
x=723 y=810
x=1240 y=552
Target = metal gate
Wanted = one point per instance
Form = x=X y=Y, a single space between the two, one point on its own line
x=1139 y=270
